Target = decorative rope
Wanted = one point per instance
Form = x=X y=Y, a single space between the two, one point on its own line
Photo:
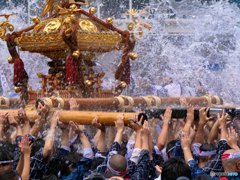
x=48 y=102
x=218 y=100
x=209 y=99
x=150 y=99
x=7 y=101
x=125 y=107
x=60 y=102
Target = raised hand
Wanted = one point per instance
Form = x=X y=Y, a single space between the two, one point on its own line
x=167 y=115
x=222 y=118
x=203 y=119
x=145 y=130
x=119 y=123
x=24 y=146
x=136 y=124
x=76 y=128
x=42 y=110
x=22 y=116
x=185 y=140
x=232 y=138
x=96 y=124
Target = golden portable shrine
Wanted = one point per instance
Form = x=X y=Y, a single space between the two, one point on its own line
x=72 y=37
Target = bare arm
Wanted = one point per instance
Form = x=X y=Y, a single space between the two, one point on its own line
x=214 y=132
x=51 y=135
x=189 y=120
x=203 y=119
x=119 y=123
x=223 y=125
x=232 y=139
x=25 y=121
x=145 y=133
x=186 y=146
x=3 y=118
x=100 y=139
x=162 y=138
x=25 y=150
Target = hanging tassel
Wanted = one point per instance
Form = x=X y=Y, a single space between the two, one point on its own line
x=20 y=75
x=126 y=73
x=71 y=70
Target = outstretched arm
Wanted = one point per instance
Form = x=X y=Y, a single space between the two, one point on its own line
x=162 y=138
x=203 y=119
x=51 y=135
x=100 y=139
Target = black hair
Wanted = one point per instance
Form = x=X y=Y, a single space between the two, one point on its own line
x=50 y=177
x=11 y=175
x=96 y=162
x=170 y=147
x=95 y=176
x=7 y=146
x=5 y=155
x=72 y=159
x=207 y=147
x=174 y=168
x=36 y=145
x=203 y=177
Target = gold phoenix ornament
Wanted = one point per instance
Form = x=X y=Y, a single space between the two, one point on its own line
x=5 y=26
x=137 y=24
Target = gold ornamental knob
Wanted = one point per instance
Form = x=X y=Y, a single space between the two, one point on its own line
x=68 y=32
x=109 y=20
x=11 y=27
x=133 y=55
x=76 y=54
x=10 y=60
x=17 y=89
x=36 y=20
x=123 y=84
x=88 y=82
x=92 y=10
x=130 y=26
x=73 y=7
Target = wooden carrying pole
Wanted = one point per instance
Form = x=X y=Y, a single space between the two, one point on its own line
x=126 y=103
x=81 y=117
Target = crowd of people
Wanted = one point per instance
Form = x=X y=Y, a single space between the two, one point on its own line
x=164 y=148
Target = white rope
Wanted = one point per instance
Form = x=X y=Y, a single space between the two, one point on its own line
x=125 y=107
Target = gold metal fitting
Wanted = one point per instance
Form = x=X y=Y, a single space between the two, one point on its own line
x=58 y=8
x=130 y=26
x=39 y=75
x=68 y=32
x=92 y=10
x=133 y=55
x=36 y=20
x=10 y=27
x=73 y=7
x=109 y=20
x=10 y=60
x=123 y=84
x=76 y=54
x=88 y=82
x=17 y=89
x=73 y=18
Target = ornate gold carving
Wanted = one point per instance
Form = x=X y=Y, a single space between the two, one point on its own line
x=52 y=26
x=2 y=32
x=6 y=25
x=88 y=26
